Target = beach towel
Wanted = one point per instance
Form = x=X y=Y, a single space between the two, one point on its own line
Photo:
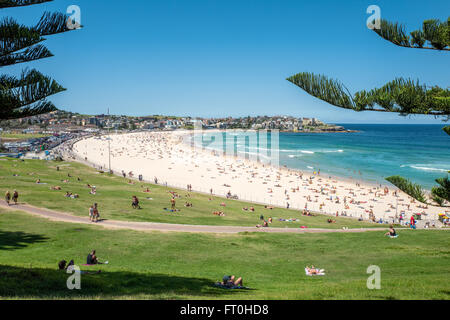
x=320 y=273
x=220 y=285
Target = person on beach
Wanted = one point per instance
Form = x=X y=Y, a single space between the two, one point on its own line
x=413 y=222
x=7 y=197
x=15 y=197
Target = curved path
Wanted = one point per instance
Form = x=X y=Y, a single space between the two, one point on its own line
x=164 y=227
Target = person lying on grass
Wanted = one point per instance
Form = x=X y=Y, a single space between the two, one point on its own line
x=62 y=265
x=314 y=271
x=264 y=225
x=230 y=281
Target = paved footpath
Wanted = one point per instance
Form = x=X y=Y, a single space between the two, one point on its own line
x=166 y=227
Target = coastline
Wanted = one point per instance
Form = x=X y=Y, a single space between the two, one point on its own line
x=165 y=156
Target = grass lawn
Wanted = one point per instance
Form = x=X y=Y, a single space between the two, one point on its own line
x=5 y=137
x=114 y=198
x=160 y=265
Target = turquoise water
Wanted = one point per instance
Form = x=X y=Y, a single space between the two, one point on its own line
x=418 y=152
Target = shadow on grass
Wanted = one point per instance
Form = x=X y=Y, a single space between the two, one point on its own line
x=18 y=240
x=38 y=283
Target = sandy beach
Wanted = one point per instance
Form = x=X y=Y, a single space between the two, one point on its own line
x=167 y=157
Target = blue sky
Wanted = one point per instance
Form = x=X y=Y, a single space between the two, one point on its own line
x=230 y=58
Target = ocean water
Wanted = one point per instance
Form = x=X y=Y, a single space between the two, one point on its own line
x=420 y=153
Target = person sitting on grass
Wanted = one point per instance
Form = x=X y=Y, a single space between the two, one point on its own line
x=231 y=281
x=188 y=205
x=244 y=209
x=135 y=203
x=62 y=265
x=391 y=233
x=264 y=225
x=92 y=259
x=147 y=190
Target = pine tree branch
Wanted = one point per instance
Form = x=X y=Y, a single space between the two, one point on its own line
x=411 y=189
x=34 y=109
x=30 y=54
x=329 y=90
x=20 y=3
x=447 y=130
x=400 y=95
x=30 y=88
x=436 y=33
x=15 y=37
x=443 y=190
x=52 y=23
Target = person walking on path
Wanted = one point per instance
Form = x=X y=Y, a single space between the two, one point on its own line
x=7 y=197
x=15 y=197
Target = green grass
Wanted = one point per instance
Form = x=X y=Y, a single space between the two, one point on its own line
x=21 y=136
x=114 y=198
x=183 y=266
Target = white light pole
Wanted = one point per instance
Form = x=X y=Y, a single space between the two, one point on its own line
x=109 y=143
